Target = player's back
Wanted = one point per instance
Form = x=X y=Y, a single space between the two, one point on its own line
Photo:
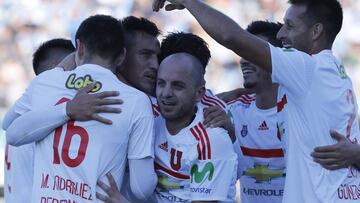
x=71 y=159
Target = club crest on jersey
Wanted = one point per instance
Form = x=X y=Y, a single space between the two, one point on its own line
x=77 y=83
x=244 y=131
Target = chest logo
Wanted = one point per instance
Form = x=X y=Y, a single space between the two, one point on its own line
x=262 y=173
x=263 y=126
x=77 y=83
x=200 y=176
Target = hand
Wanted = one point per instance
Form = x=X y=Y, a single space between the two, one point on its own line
x=234 y=94
x=216 y=117
x=174 y=4
x=113 y=194
x=68 y=63
x=85 y=106
x=340 y=155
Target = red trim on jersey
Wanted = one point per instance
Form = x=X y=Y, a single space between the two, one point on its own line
x=207 y=140
x=245 y=99
x=208 y=102
x=198 y=145
x=262 y=153
x=280 y=105
x=156 y=110
x=170 y=172
x=202 y=142
x=218 y=101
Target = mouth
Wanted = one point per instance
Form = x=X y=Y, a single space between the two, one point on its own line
x=247 y=71
x=151 y=76
x=168 y=103
x=287 y=45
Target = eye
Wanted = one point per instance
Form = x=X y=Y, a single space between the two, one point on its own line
x=160 y=83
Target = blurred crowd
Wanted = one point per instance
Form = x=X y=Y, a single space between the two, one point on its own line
x=25 y=24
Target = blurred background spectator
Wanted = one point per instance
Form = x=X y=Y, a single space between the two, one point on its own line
x=25 y=24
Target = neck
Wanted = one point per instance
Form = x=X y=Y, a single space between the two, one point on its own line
x=266 y=96
x=106 y=63
x=174 y=126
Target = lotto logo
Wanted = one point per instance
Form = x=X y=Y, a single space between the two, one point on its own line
x=263 y=126
x=76 y=83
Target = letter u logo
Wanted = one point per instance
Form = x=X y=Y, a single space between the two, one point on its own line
x=176 y=166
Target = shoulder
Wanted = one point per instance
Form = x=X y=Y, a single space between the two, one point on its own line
x=242 y=101
x=209 y=99
x=214 y=143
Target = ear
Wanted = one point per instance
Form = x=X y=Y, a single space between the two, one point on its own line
x=200 y=93
x=317 y=30
x=80 y=51
x=120 y=59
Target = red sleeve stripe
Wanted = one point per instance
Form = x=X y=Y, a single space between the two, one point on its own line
x=262 y=153
x=170 y=172
x=220 y=102
x=198 y=145
x=245 y=99
x=156 y=110
x=207 y=140
x=204 y=100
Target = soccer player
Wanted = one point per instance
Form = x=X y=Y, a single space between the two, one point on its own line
x=69 y=160
x=318 y=95
x=193 y=164
x=19 y=166
x=261 y=164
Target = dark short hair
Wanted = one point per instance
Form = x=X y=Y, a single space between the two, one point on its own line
x=266 y=29
x=102 y=35
x=178 y=42
x=327 y=12
x=132 y=23
x=42 y=53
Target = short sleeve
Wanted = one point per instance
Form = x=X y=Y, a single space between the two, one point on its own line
x=293 y=70
x=142 y=131
x=214 y=177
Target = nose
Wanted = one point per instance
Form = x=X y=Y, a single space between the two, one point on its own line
x=154 y=62
x=281 y=34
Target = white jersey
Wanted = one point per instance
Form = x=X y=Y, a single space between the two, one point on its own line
x=315 y=96
x=70 y=160
x=195 y=164
x=261 y=164
x=18 y=173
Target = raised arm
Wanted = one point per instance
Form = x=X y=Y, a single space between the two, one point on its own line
x=225 y=31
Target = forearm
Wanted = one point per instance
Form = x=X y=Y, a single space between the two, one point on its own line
x=35 y=125
x=10 y=116
x=142 y=186
x=228 y=33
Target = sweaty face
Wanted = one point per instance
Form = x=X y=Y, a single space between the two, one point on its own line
x=295 y=32
x=141 y=63
x=176 y=89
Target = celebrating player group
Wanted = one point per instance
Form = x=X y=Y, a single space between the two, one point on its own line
x=117 y=116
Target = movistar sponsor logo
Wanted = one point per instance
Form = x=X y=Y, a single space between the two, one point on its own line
x=206 y=173
x=262 y=173
x=200 y=190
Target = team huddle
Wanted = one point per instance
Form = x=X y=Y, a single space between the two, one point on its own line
x=116 y=116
